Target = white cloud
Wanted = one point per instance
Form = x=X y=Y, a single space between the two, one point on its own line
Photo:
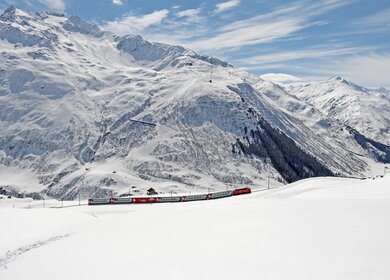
x=302 y=11
x=284 y=56
x=117 y=2
x=162 y=26
x=132 y=24
x=58 y=5
x=378 y=23
x=192 y=15
x=224 y=6
x=381 y=18
x=262 y=32
x=281 y=79
x=282 y=22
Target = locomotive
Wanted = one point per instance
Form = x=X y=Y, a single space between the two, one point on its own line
x=162 y=199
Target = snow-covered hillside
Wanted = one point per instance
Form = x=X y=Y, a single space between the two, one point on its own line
x=322 y=228
x=71 y=95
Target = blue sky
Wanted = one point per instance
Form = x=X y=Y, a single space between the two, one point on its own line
x=302 y=40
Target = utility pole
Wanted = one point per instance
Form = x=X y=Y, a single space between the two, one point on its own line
x=79 y=186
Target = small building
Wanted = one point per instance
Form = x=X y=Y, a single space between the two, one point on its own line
x=151 y=191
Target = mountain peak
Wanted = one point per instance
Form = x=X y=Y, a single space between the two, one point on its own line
x=338 y=79
x=9 y=14
x=343 y=82
x=76 y=24
x=383 y=90
x=13 y=14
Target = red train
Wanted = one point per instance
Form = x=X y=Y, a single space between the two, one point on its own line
x=242 y=191
x=146 y=199
x=152 y=199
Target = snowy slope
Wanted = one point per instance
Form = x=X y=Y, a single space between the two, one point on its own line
x=70 y=92
x=323 y=228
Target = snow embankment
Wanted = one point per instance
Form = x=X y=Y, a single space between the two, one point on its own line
x=314 y=229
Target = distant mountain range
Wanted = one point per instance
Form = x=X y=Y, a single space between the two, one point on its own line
x=83 y=110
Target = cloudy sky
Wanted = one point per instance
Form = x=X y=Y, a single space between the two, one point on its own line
x=287 y=41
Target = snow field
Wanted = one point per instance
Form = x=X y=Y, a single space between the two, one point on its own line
x=322 y=228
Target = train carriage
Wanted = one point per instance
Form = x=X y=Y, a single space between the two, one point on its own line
x=121 y=200
x=146 y=199
x=195 y=197
x=220 y=194
x=98 y=201
x=170 y=199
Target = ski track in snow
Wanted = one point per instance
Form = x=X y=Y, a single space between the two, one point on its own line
x=11 y=256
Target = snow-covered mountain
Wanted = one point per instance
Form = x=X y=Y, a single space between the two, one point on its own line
x=365 y=110
x=72 y=97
